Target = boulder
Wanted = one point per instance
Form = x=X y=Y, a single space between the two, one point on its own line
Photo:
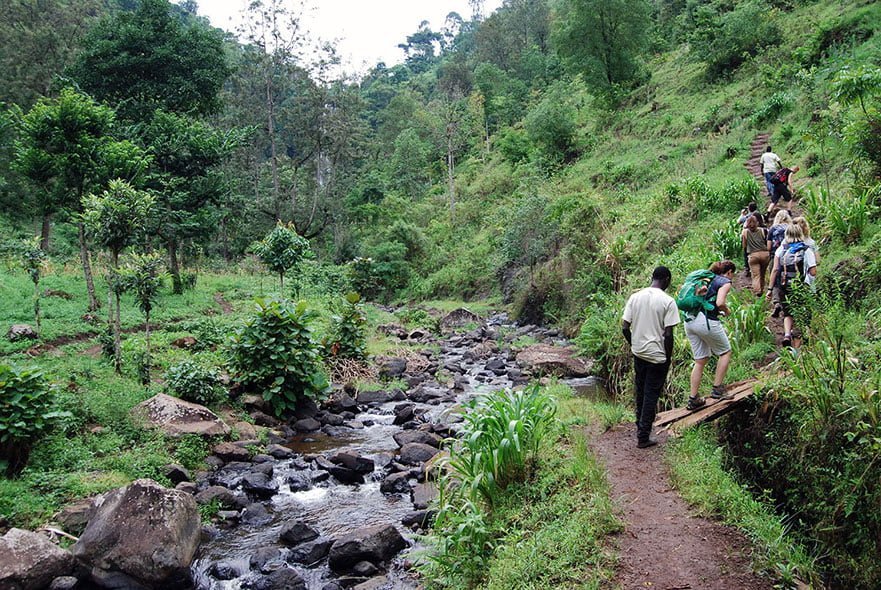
x=428 y=394
x=266 y=560
x=29 y=561
x=404 y=413
x=420 y=518
x=375 y=397
x=561 y=361
x=73 y=518
x=296 y=533
x=299 y=481
x=64 y=583
x=21 y=332
x=458 y=318
x=307 y=425
x=396 y=483
x=279 y=452
x=142 y=534
x=416 y=453
x=255 y=514
x=423 y=495
x=176 y=417
x=406 y=437
x=259 y=484
x=282 y=578
x=231 y=452
x=227 y=569
x=391 y=367
x=331 y=419
x=306 y=408
x=342 y=402
x=310 y=553
x=375 y=544
x=353 y=461
x=365 y=569
x=176 y=474
x=225 y=497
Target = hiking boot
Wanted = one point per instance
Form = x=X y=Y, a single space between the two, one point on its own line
x=644 y=444
x=787 y=340
x=777 y=311
x=718 y=392
x=695 y=403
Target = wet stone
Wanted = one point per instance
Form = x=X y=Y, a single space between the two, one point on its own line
x=224 y=570
x=266 y=559
x=279 y=452
x=224 y=496
x=255 y=514
x=416 y=453
x=332 y=420
x=310 y=553
x=404 y=413
x=396 y=483
x=64 y=583
x=284 y=578
x=299 y=482
x=296 y=533
x=417 y=436
x=421 y=518
x=365 y=568
x=176 y=474
x=307 y=425
x=261 y=458
x=353 y=461
x=231 y=452
x=260 y=485
x=423 y=495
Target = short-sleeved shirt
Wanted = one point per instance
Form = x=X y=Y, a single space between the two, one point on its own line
x=650 y=311
x=770 y=162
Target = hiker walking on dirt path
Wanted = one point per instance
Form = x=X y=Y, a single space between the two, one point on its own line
x=776 y=235
x=770 y=165
x=707 y=335
x=795 y=269
x=754 y=240
x=647 y=323
x=782 y=183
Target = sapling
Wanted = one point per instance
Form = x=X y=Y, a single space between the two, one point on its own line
x=141 y=275
x=282 y=250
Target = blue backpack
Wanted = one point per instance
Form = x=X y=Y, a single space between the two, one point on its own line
x=776 y=235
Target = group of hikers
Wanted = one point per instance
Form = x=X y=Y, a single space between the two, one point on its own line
x=651 y=315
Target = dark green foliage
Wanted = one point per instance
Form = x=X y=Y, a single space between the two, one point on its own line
x=26 y=414
x=726 y=241
x=151 y=58
x=551 y=127
x=32 y=260
x=282 y=250
x=724 y=38
x=528 y=233
x=775 y=106
x=116 y=217
x=277 y=356
x=193 y=382
x=381 y=274
x=348 y=335
x=602 y=39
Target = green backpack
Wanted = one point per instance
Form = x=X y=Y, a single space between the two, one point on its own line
x=692 y=299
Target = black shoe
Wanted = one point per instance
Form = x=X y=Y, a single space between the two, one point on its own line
x=777 y=310
x=695 y=403
x=644 y=444
x=787 y=340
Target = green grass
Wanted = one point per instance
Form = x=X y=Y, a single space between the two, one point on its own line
x=698 y=473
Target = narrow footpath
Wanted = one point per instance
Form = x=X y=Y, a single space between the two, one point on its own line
x=664 y=545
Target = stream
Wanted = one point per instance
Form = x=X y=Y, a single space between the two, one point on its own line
x=244 y=549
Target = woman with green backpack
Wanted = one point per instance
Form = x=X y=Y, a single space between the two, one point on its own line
x=703 y=326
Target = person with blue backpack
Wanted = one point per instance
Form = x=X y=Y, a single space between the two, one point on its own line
x=703 y=301
x=776 y=235
x=795 y=269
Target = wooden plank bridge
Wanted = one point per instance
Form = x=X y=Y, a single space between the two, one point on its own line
x=682 y=418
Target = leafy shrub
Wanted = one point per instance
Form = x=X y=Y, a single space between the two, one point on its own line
x=191 y=450
x=276 y=354
x=514 y=144
x=194 y=382
x=605 y=345
x=772 y=108
x=317 y=278
x=551 y=126
x=26 y=413
x=208 y=331
x=418 y=318
x=726 y=40
x=380 y=275
x=348 y=337
x=747 y=322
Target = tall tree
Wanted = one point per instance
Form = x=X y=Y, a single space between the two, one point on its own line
x=602 y=39
x=154 y=57
x=67 y=150
x=38 y=40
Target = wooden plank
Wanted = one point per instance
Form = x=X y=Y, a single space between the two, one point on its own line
x=714 y=407
x=711 y=413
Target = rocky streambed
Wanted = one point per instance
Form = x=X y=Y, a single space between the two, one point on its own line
x=339 y=495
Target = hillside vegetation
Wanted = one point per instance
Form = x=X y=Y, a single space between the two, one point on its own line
x=549 y=155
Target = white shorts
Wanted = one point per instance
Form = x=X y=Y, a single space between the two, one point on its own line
x=706 y=340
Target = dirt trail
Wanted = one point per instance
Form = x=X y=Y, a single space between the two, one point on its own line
x=664 y=546
x=742 y=283
x=223 y=303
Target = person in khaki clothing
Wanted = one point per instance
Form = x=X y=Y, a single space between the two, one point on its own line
x=754 y=240
x=648 y=321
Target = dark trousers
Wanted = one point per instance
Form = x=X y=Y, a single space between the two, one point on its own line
x=650 y=379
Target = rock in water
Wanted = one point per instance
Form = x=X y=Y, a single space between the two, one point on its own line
x=374 y=544
x=29 y=561
x=416 y=453
x=176 y=417
x=142 y=535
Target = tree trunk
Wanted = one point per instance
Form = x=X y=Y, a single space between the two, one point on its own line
x=117 y=339
x=177 y=285
x=87 y=268
x=149 y=360
x=45 y=231
x=273 y=152
x=451 y=181
x=37 y=305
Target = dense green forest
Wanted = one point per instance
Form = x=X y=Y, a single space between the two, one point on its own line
x=546 y=157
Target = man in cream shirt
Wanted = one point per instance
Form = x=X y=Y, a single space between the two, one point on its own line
x=770 y=165
x=648 y=321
